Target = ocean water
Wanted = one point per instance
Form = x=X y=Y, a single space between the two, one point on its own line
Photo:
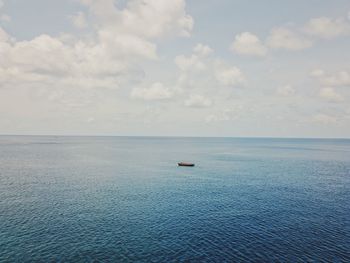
x=123 y=199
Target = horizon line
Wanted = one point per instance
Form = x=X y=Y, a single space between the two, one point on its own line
x=175 y=136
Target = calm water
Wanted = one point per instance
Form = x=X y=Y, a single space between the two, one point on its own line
x=113 y=199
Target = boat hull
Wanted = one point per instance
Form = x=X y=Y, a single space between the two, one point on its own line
x=186 y=164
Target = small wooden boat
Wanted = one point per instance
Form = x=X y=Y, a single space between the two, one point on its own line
x=186 y=164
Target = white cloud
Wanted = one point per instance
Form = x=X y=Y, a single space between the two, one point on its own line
x=288 y=38
x=226 y=114
x=284 y=38
x=156 y=92
x=111 y=57
x=317 y=73
x=127 y=45
x=200 y=73
x=340 y=78
x=92 y=76
x=324 y=119
x=189 y=63
x=228 y=75
x=194 y=61
x=286 y=91
x=198 y=101
x=45 y=58
x=247 y=43
x=147 y=18
x=202 y=50
x=4 y=37
x=326 y=27
x=79 y=20
x=330 y=95
x=90 y=120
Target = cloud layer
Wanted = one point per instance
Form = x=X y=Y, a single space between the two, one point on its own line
x=163 y=66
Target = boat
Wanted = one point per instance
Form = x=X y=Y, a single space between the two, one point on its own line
x=186 y=164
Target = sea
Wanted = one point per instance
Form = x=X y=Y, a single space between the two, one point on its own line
x=124 y=199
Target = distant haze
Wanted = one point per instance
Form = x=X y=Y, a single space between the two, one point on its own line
x=174 y=67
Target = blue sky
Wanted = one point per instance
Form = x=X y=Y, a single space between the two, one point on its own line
x=183 y=68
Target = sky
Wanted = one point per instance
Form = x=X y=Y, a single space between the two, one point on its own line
x=239 y=68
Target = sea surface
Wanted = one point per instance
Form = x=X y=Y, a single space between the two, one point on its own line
x=124 y=199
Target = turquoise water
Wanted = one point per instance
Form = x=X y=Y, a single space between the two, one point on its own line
x=120 y=199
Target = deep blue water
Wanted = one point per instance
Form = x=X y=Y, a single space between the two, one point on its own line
x=119 y=199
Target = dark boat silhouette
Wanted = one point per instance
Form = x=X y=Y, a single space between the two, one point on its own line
x=186 y=164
